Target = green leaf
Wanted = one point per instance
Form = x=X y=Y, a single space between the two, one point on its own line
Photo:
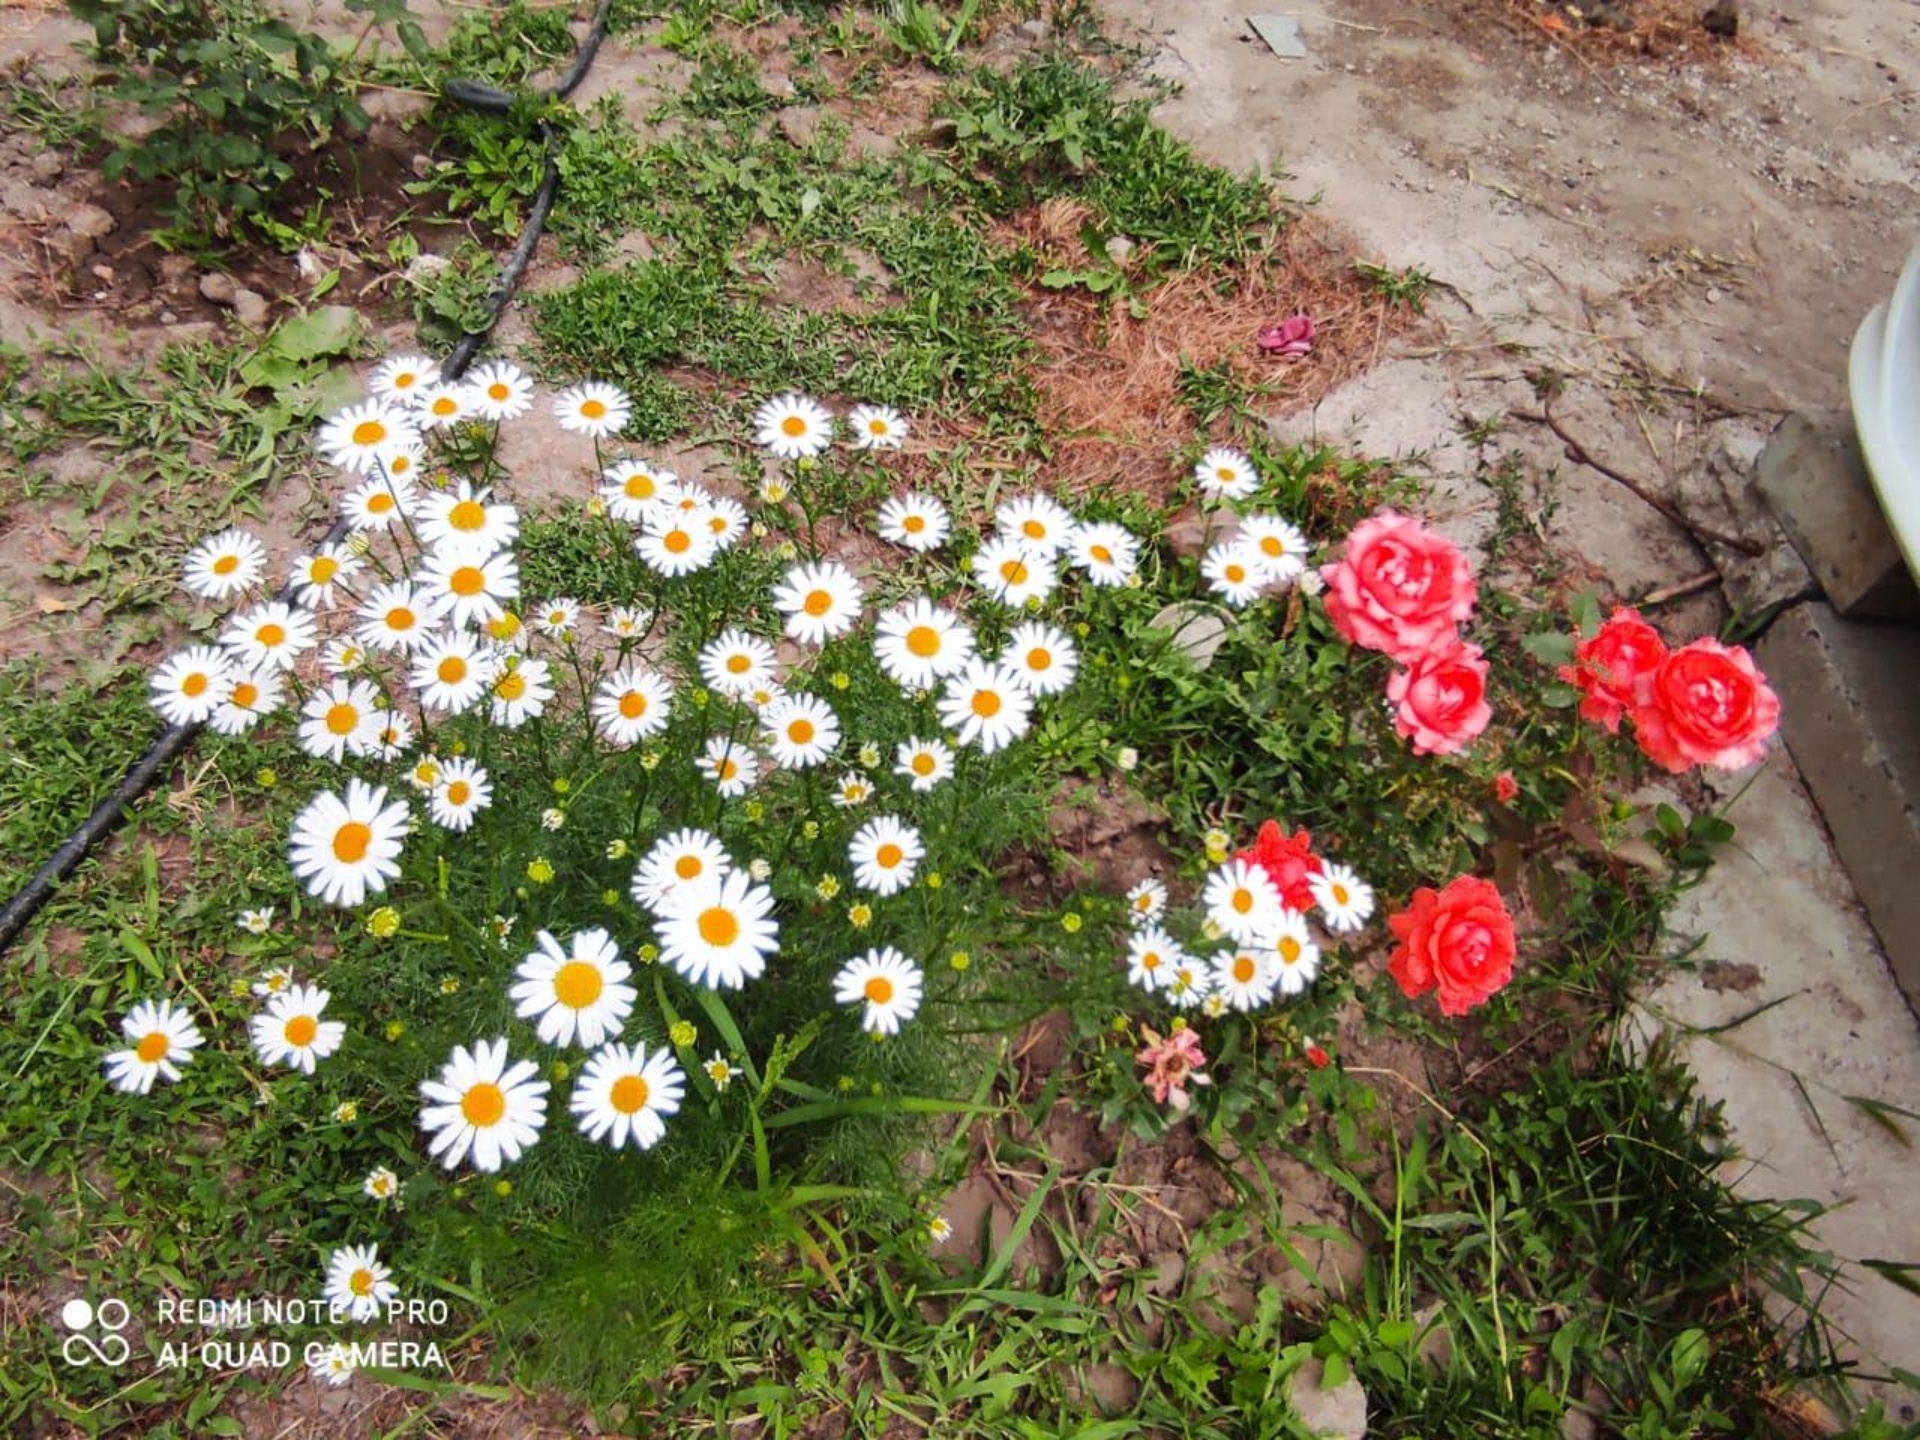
x=1550 y=647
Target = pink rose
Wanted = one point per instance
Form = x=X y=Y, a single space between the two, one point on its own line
x=1291 y=337
x=1614 y=667
x=1399 y=587
x=1458 y=941
x=1707 y=704
x=1440 y=699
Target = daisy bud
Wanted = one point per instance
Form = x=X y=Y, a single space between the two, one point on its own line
x=683 y=1035
x=1070 y=923
x=1128 y=759
x=384 y=923
x=609 y=897
x=540 y=871
x=959 y=960
x=395 y=1030
x=346 y=1112
x=503 y=1188
x=860 y=916
x=266 y=778
x=617 y=849
x=759 y=869
x=552 y=818
x=450 y=985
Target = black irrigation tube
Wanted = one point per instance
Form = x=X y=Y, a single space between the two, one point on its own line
x=111 y=812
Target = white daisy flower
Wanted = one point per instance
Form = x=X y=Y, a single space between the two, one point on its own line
x=343 y=656
x=452 y=671
x=1146 y=902
x=876 y=427
x=1037 y=523
x=357 y=1284
x=401 y=378
x=344 y=847
x=624 y=1094
x=222 y=566
x=380 y=1184
x=887 y=983
x=272 y=982
x=335 y=1364
x=577 y=995
x=342 y=719
x=187 y=688
x=1152 y=956
x=1226 y=474
x=631 y=488
x=521 y=693
x=399 y=463
x=269 y=637
x=593 y=408
x=483 y=1106
x=689 y=497
x=459 y=791
x=627 y=622
x=919 y=644
x=1345 y=900
x=354 y=438
x=445 y=404
x=676 y=862
x=315 y=577
x=1042 y=656
x=289 y=1031
x=726 y=521
x=675 y=542
x=719 y=1071
x=852 y=789
x=802 y=731
x=939 y=1230
x=793 y=427
x=632 y=705
x=986 y=705
x=1234 y=572
x=1243 y=978
x=507 y=631
x=735 y=662
x=1189 y=983
x=719 y=931
x=1291 y=955
x=256 y=922
x=917 y=521
x=1012 y=573
x=465 y=520
x=925 y=763
x=884 y=854
x=376 y=503
x=1107 y=552
x=1243 y=901
x=820 y=601
x=1279 y=548
x=392 y=736
x=469 y=588
x=501 y=391
x=559 y=616
x=399 y=616
x=163 y=1039
x=730 y=764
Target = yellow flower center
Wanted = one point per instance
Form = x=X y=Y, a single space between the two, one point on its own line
x=793 y=425
x=301 y=1029
x=499 y=391
x=677 y=542
x=400 y=618
x=1034 y=530
x=459 y=792
x=800 y=732
x=1014 y=572
x=739 y=664
x=924 y=641
x=452 y=670
x=405 y=380
x=226 y=565
x=688 y=867
x=1225 y=474
x=628 y=1095
x=379 y=503
x=818 y=602
x=194 y=685
x=361 y=1282
x=369 y=432
x=1101 y=553
x=719 y=926
x=1243 y=900
x=467 y=515
x=1039 y=658
x=1289 y=950
x=1150 y=961
x=271 y=635
x=639 y=487
x=467 y=580
x=343 y=719
x=1340 y=896
x=879 y=990
x=350 y=842
x=445 y=405
x=1243 y=968
x=1236 y=574
x=577 y=985
x=633 y=705
x=153 y=1047
x=922 y=764
x=510 y=686
x=483 y=1104
x=245 y=694
x=725 y=769
x=593 y=409
x=323 y=569
x=889 y=855
x=914 y=524
x=1270 y=545
x=986 y=703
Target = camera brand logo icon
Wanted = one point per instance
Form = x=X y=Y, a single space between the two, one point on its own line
x=81 y=1348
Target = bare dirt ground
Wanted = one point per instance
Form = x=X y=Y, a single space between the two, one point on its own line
x=1688 y=241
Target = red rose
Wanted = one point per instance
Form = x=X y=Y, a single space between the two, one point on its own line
x=1399 y=587
x=1441 y=699
x=1459 y=940
x=1505 y=787
x=1317 y=1056
x=1288 y=862
x=1707 y=704
x=1614 y=667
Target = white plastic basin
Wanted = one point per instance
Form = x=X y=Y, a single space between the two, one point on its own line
x=1883 y=381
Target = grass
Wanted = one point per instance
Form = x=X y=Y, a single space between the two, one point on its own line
x=1546 y=1234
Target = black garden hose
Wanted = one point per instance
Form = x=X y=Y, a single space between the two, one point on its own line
x=111 y=812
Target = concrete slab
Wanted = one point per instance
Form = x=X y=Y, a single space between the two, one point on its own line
x=1813 y=477
x=1782 y=925
x=1850 y=711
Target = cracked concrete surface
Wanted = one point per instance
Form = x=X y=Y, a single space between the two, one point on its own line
x=1689 y=248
